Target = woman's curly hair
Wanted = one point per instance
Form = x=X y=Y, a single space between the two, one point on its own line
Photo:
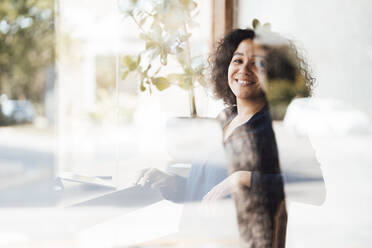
x=283 y=62
x=221 y=61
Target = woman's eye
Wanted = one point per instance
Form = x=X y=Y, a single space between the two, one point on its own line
x=259 y=64
x=237 y=61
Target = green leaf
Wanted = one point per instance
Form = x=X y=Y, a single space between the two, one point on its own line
x=189 y=5
x=186 y=83
x=189 y=71
x=147 y=69
x=255 y=23
x=194 y=5
x=124 y=75
x=132 y=66
x=129 y=62
x=174 y=78
x=144 y=37
x=142 y=88
x=179 y=49
x=185 y=3
x=151 y=44
x=161 y=83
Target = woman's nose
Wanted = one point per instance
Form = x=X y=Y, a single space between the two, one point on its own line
x=246 y=69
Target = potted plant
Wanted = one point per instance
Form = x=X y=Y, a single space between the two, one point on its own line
x=164 y=27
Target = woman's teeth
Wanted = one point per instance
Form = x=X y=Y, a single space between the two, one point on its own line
x=242 y=82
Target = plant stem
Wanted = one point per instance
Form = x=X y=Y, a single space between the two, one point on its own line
x=193 y=111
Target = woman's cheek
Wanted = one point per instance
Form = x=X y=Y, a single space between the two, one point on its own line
x=230 y=78
x=263 y=81
x=230 y=71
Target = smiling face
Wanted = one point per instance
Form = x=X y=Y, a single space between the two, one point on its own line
x=246 y=73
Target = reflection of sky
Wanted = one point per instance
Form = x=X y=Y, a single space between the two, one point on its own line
x=4 y=26
x=24 y=21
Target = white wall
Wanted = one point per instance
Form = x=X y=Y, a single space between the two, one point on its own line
x=336 y=36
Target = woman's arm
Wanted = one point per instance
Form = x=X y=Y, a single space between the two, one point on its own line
x=314 y=193
x=229 y=185
x=171 y=186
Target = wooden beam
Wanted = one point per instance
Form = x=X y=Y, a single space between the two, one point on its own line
x=222 y=20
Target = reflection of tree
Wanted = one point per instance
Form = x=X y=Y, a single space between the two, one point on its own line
x=26 y=47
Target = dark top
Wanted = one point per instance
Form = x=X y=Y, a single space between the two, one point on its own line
x=203 y=177
x=261 y=210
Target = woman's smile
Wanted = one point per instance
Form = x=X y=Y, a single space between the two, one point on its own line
x=244 y=82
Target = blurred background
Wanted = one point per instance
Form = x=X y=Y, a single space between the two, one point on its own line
x=65 y=107
x=27 y=86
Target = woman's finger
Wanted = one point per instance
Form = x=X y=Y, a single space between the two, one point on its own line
x=207 y=196
x=210 y=195
x=150 y=176
x=146 y=178
x=139 y=176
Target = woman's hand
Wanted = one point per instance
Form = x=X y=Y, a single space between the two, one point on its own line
x=229 y=185
x=154 y=178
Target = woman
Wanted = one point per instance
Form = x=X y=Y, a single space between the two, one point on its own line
x=243 y=64
x=249 y=140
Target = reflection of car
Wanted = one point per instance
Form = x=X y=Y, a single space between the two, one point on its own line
x=17 y=111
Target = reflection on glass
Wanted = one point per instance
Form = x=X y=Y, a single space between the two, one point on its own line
x=87 y=159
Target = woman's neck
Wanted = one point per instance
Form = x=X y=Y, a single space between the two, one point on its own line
x=248 y=107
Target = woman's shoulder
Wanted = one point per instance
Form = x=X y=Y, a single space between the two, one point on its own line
x=226 y=115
